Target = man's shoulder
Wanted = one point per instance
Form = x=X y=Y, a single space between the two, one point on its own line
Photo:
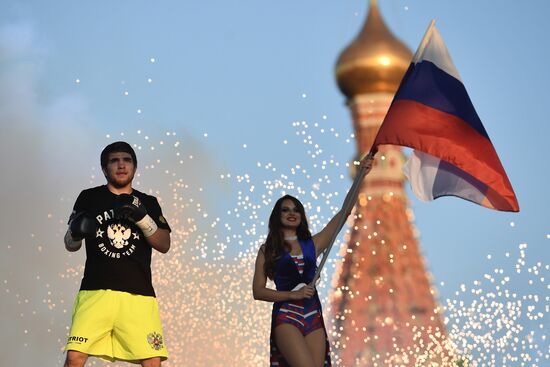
x=94 y=190
x=88 y=198
x=143 y=196
x=153 y=207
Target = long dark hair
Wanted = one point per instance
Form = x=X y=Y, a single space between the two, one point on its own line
x=275 y=244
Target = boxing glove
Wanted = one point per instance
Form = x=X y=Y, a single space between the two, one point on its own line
x=131 y=208
x=82 y=225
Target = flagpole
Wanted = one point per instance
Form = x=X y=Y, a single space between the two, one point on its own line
x=424 y=42
x=349 y=202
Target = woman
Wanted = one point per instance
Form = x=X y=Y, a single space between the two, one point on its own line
x=289 y=257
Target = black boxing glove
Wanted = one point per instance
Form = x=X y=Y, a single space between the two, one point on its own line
x=82 y=225
x=131 y=208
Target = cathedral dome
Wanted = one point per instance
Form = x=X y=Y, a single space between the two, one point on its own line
x=375 y=61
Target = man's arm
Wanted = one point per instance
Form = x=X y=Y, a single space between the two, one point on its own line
x=160 y=240
x=81 y=225
x=131 y=207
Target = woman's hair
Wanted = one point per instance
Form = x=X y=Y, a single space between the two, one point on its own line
x=275 y=244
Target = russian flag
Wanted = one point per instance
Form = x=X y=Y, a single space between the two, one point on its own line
x=432 y=113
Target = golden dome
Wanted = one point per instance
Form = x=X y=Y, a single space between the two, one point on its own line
x=375 y=61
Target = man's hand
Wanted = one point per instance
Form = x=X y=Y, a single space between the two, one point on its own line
x=130 y=207
x=83 y=225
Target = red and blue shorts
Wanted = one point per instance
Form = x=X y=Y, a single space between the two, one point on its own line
x=306 y=316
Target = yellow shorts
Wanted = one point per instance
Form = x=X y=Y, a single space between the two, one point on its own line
x=116 y=326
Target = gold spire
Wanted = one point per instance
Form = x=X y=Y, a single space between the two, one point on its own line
x=375 y=61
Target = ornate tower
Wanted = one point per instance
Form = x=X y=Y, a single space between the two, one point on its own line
x=383 y=305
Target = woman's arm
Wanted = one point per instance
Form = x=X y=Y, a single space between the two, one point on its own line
x=262 y=293
x=322 y=239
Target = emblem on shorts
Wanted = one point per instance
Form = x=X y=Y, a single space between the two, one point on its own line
x=155 y=340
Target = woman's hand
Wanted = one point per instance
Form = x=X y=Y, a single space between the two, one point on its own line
x=367 y=162
x=305 y=292
x=323 y=239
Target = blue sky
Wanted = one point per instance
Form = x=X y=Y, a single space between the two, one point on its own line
x=231 y=78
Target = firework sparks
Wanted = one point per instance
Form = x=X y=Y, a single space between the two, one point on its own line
x=204 y=283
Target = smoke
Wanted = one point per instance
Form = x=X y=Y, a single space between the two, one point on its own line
x=40 y=165
x=49 y=150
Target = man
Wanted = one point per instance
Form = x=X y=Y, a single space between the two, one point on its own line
x=116 y=314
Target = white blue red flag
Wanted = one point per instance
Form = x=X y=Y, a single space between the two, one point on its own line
x=432 y=113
